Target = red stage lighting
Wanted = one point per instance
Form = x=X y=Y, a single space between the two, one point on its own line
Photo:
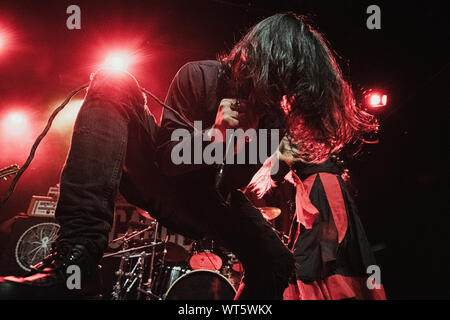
x=3 y=41
x=15 y=124
x=65 y=120
x=16 y=119
x=376 y=99
x=117 y=61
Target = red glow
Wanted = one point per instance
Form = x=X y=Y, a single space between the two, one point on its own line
x=65 y=120
x=376 y=100
x=17 y=119
x=15 y=124
x=3 y=41
x=6 y=42
x=117 y=61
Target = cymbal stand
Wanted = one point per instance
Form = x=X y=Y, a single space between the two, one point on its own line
x=146 y=288
x=136 y=274
x=117 y=289
x=137 y=271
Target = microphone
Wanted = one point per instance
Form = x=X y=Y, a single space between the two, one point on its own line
x=221 y=174
x=221 y=168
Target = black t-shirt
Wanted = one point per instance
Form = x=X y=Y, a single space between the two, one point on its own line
x=195 y=93
x=189 y=188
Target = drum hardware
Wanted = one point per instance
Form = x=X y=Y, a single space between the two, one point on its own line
x=233 y=270
x=147 y=287
x=166 y=252
x=137 y=225
x=120 y=291
x=135 y=275
x=128 y=236
x=169 y=252
x=234 y=262
x=124 y=251
x=117 y=289
x=270 y=213
x=283 y=237
x=134 y=256
x=171 y=272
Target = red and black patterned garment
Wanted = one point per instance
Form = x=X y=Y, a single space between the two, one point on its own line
x=331 y=258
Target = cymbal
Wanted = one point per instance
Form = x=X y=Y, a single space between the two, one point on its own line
x=270 y=213
x=144 y=213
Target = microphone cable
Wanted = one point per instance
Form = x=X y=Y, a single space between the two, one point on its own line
x=36 y=143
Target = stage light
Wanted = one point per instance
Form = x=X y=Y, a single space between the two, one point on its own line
x=375 y=99
x=65 y=120
x=15 y=124
x=16 y=119
x=3 y=41
x=117 y=61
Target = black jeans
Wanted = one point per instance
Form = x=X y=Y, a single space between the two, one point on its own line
x=113 y=147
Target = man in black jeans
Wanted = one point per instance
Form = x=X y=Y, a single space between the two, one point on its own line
x=281 y=72
x=116 y=144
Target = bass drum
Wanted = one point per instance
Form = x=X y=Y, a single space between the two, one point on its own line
x=201 y=285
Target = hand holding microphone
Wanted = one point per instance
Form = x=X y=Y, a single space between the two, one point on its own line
x=233 y=114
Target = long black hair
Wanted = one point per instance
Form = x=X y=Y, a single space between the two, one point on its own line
x=284 y=67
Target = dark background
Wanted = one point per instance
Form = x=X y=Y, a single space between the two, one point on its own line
x=401 y=182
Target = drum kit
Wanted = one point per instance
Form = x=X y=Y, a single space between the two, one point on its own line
x=152 y=268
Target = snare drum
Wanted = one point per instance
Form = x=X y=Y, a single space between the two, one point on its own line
x=201 y=285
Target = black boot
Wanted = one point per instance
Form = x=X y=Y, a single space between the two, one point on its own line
x=69 y=272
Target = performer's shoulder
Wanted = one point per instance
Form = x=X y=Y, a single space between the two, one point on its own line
x=201 y=65
x=205 y=63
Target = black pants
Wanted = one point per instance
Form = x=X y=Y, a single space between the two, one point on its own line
x=113 y=147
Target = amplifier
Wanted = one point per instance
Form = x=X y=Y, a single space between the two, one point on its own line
x=42 y=206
